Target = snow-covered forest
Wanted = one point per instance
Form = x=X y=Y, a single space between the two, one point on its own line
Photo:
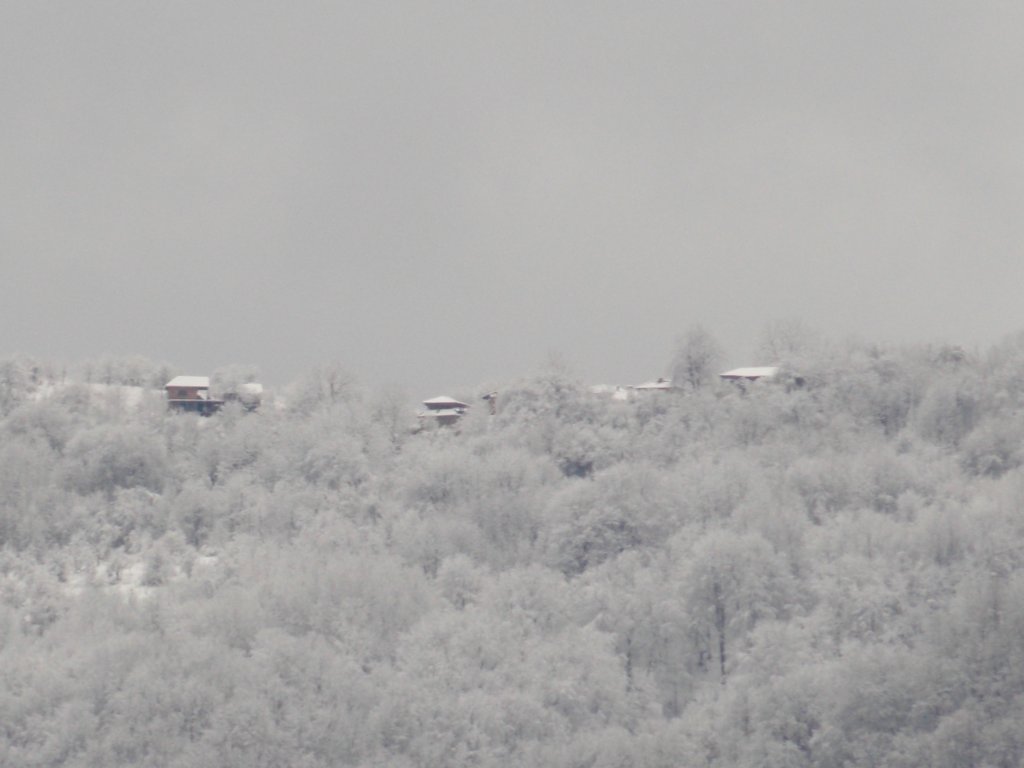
x=825 y=569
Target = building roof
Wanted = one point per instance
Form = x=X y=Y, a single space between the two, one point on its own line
x=203 y=382
x=660 y=384
x=443 y=401
x=756 y=372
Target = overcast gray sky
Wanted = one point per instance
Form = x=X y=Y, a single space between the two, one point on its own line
x=442 y=194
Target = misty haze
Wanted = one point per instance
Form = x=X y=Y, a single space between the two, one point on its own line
x=572 y=385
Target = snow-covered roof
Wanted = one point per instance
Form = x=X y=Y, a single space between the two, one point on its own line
x=443 y=401
x=756 y=372
x=660 y=384
x=252 y=388
x=203 y=382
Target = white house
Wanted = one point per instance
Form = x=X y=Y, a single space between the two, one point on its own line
x=750 y=374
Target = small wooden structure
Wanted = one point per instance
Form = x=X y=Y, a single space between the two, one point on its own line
x=661 y=385
x=191 y=394
x=443 y=409
x=491 y=398
x=750 y=374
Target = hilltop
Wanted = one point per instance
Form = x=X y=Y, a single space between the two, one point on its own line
x=825 y=568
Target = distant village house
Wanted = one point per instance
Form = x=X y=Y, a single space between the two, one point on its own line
x=750 y=374
x=661 y=385
x=191 y=394
x=443 y=409
x=616 y=392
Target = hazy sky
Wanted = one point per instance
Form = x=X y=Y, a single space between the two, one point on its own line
x=443 y=194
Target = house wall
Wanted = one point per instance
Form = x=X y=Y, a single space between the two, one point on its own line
x=184 y=393
x=202 y=407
